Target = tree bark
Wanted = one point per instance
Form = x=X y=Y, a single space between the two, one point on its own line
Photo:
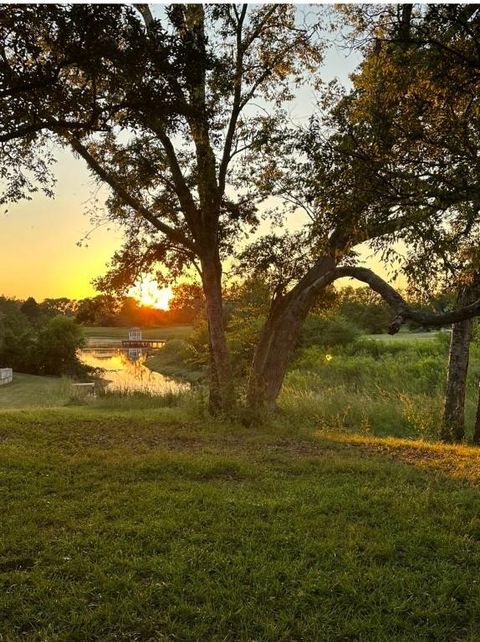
x=221 y=395
x=476 y=431
x=272 y=356
x=453 y=423
x=280 y=335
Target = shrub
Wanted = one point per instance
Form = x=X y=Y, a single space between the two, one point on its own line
x=57 y=345
x=328 y=331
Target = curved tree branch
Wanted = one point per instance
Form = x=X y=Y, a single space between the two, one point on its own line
x=146 y=14
x=401 y=307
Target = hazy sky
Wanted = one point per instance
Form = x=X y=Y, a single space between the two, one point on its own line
x=38 y=238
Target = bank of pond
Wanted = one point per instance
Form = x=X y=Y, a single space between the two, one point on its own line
x=373 y=386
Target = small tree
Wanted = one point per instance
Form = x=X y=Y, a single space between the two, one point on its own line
x=99 y=310
x=31 y=310
x=17 y=342
x=57 y=345
x=187 y=303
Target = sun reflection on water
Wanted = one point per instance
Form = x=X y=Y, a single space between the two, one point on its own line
x=128 y=374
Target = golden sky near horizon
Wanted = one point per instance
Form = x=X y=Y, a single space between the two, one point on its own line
x=38 y=238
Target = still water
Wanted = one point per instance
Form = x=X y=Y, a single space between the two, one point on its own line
x=126 y=372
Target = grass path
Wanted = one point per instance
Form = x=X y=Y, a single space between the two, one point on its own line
x=153 y=526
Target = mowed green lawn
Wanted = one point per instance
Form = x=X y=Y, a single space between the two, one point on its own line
x=151 y=525
x=161 y=332
x=30 y=391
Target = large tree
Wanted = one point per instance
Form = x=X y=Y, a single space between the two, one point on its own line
x=160 y=107
x=397 y=158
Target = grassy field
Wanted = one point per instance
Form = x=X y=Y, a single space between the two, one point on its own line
x=138 y=519
x=380 y=387
x=172 y=360
x=30 y=391
x=161 y=333
x=153 y=525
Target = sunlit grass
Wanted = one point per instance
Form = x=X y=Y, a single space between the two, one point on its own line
x=458 y=461
x=151 y=525
x=174 y=359
x=27 y=391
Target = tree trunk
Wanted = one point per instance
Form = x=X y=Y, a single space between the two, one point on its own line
x=221 y=397
x=453 y=424
x=272 y=356
x=476 y=431
x=280 y=336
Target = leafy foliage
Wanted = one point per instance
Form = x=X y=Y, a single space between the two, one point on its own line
x=45 y=347
x=57 y=345
x=80 y=75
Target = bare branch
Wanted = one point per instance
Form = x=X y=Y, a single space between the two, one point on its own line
x=237 y=99
x=146 y=14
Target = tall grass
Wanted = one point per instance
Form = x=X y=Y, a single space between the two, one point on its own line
x=192 y=399
x=386 y=388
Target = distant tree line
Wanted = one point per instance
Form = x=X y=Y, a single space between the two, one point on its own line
x=108 y=310
x=360 y=307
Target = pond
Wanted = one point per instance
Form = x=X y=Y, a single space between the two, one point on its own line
x=126 y=372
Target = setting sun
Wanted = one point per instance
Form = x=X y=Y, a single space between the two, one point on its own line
x=149 y=294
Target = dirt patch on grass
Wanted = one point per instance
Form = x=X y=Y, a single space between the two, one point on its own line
x=20 y=564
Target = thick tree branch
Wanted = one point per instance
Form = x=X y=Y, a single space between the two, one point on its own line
x=146 y=14
x=401 y=307
x=237 y=97
x=184 y=195
x=53 y=125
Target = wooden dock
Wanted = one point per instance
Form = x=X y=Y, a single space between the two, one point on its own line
x=142 y=343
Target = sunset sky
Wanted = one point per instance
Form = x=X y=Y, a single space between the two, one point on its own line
x=38 y=238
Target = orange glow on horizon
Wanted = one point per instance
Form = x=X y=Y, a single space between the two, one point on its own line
x=150 y=295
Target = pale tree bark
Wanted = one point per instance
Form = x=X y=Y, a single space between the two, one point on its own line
x=476 y=430
x=453 y=421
